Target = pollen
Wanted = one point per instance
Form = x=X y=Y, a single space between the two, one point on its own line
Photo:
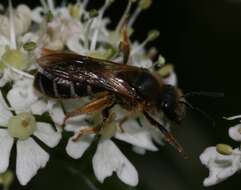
x=224 y=149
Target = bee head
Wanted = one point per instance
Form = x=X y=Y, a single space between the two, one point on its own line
x=170 y=103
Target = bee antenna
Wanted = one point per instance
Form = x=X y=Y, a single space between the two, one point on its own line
x=187 y=104
x=207 y=94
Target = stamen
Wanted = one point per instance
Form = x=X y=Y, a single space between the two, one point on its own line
x=51 y=5
x=100 y=16
x=152 y=35
x=142 y=5
x=124 y=16
x=44 y=5
x=13 y=44
x=233 y=117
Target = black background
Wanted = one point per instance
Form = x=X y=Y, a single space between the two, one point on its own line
x=202 y=38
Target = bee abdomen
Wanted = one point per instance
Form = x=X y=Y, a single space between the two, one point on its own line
x=58 y=87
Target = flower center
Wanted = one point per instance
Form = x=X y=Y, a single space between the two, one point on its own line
x=15 y=58
x=22 y=126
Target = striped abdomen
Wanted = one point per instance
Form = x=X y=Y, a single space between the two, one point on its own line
x=56 y=87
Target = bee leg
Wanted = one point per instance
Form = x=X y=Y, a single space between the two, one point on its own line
x=107 y=118
x=169 y=138
x=122 y=121
x=86 y=131
x=91 y=107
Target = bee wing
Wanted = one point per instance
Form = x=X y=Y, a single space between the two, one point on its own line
x=83 y=69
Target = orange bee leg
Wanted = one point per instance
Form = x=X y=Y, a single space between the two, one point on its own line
x=107 y=118
x=91 y=107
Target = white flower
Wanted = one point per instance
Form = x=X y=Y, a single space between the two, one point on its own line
x=30 y=156
x=23 y=97
x=235 y=132
x=21 y=21
x=220 y=166
x=108 y=158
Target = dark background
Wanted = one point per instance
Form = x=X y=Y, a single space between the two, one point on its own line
x=202 y=38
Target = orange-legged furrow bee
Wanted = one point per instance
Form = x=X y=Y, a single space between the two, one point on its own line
x=68 y=75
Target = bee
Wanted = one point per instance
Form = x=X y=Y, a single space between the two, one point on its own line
x=64 y=75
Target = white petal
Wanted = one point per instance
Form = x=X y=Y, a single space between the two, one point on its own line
x=77 y=149
x=136 y=135
x=30 y=158
x=73 y=44
x=57 y=114
x=139 y=150
x=21 y=96
x=235 y=132
x=39 y=107
x=6 y=143
x=108 y=159
x=36 y=14
x=47 y=134
x=171 y=79
x=208 y=153
x=5 y=114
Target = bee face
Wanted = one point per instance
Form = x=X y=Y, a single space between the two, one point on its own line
x=170 y=105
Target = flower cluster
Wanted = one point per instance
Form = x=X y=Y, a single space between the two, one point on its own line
x=223 y=161
x=23 y=34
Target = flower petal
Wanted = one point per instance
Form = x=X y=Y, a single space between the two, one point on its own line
x=136 y=135
x=235 y=132
x=39 y=107
x=57 y=114
x=108 y=159
x=77 y=149
x=5 y=113
x=22 y=95
x=47 y=134
x=6 y=143
x=171 y=79
x=30 y=158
